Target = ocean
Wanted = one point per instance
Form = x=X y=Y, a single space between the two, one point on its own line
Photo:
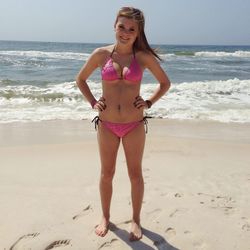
x=37 y=82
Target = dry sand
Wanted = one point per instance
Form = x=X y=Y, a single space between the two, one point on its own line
x=197 y=179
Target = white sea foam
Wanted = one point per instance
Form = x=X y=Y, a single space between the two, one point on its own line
x=225 y=101
x=238 y=53
x=48 y=55
x=215 y=54
x=33 y=54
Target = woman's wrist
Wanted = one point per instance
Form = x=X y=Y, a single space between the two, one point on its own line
x=93 y=103
x=149 y=103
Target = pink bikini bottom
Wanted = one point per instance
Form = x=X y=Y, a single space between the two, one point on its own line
x=120 y=129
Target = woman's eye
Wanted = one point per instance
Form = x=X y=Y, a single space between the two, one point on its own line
x=121 y=27
x=131 y=30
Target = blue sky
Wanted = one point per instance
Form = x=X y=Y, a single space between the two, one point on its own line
x=167 y=21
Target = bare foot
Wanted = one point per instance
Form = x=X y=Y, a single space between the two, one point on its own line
x=135 y=231
x=102 y=228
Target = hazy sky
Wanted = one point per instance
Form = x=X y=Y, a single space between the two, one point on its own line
x=167 y=21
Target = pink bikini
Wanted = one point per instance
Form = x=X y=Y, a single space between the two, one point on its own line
x=121 y=129
x=133 y=74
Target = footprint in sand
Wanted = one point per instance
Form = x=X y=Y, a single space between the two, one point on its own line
x=178 y=195
x=221 y=202
x=108 y=243
x=24 y=237
x=83 y=212
x=179 y=210
x=173 y=213
x=246 y=225
x=200 y=245
x=170 y=232
x=57 y=243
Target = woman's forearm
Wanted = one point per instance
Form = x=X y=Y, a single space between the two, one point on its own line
x=160 y=91
x=84 y=88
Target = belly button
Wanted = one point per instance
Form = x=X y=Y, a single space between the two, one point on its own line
x=119 y=107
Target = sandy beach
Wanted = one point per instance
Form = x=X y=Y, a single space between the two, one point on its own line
x=196 y=174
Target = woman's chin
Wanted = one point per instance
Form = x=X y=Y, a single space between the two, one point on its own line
x=124 y=42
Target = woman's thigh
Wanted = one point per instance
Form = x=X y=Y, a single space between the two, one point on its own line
x=108 y=147
x=133 y=144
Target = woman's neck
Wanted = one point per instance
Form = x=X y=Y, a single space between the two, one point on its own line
x=123 y=50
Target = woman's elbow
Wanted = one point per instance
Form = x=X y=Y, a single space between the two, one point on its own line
x=165 y=86
x=79 y=80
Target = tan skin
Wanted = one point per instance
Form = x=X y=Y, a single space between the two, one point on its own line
x=121 y=103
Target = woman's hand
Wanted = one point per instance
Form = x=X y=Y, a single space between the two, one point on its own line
x=100 y=104
x=140 y=103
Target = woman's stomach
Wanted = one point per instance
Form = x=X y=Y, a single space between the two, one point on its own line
x=121 y=110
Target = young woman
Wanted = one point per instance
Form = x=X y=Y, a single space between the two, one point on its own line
x=121 y=108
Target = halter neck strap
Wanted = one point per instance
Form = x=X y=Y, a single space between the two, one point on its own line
x=115 y=48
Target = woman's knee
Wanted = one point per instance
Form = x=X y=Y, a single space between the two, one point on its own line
x=135 y=174
x=107 y=175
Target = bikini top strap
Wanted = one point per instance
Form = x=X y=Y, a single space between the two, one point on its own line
x=112 y=52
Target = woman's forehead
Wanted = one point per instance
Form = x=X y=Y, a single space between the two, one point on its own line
x=127 y=21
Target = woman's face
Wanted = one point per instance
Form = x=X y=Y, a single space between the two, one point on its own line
x=126 y=30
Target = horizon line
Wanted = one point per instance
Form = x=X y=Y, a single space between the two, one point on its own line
x=169 y=44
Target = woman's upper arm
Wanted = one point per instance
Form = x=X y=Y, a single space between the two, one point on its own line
x=91 y=64
x=151 y=63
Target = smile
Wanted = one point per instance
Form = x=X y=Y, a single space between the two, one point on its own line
x=125 y=39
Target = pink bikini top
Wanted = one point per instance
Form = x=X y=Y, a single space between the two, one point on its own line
x=132 y=74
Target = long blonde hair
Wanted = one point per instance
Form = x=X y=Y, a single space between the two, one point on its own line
x=141 y=42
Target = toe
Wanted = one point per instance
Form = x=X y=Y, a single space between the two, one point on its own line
x=101 y=230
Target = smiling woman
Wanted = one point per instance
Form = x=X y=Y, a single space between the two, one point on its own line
x=121 y=108
x=136 y=29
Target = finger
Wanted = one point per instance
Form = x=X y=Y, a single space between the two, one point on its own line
x=140 y=106
x=139 y=103
x=102 y=104
x=98 y=107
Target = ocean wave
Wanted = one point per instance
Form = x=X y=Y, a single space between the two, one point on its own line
x=48 y=55
x=225 y=101
x=62 y=92
x=36 y=55
x=239 y=54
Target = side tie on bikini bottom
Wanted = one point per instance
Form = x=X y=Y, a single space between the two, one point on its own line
x=121 y=129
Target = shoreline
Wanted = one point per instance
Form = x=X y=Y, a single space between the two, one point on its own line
x=196 y=178
x=65 y=131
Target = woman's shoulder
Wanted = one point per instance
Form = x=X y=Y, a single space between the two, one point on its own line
x=144 y=54
x=103 y=51
x=145 y=57
x=99 y=55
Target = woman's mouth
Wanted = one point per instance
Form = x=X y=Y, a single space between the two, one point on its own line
x=124 y=39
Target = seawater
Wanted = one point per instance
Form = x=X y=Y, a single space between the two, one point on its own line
x=37 y=82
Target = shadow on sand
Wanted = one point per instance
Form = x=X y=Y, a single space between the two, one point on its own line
x=157 y=240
